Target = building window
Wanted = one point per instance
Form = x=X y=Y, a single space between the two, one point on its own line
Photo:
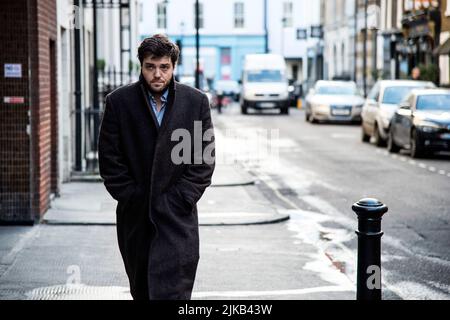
x=287 y=14
x=161 y=15
x=239 y=15
x=447 y=12
x=200 y=16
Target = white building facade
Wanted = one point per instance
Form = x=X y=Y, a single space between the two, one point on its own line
x=339 y=38
x=75 y=136
x=70 y=17
x=230 y=29
x=347 y=55
x=285 y=20
x=118 y=39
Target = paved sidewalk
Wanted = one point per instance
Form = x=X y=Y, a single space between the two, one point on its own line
x=250 y=248
x=48 y=262
x=88 y=203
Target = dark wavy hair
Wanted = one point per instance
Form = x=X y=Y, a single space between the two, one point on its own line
x=158 y=46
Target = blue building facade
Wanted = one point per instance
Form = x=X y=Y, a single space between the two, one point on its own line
x=221 y=56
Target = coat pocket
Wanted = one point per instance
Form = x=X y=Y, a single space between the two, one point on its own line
x=177 y=202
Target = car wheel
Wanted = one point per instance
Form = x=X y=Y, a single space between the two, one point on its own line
x=312 y=119
x=417 y=147
x=244 y=108
x=379 y=141
x=364 y=136
x=391 y=146
x=284 y=110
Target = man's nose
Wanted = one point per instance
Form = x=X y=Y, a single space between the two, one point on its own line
x=157 y=73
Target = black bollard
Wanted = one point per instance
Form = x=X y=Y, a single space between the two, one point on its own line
x=370 y=212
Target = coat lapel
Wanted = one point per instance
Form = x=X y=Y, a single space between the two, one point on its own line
x=149 y=107
x=169 y=107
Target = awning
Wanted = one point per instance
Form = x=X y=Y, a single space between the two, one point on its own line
x=443 y=49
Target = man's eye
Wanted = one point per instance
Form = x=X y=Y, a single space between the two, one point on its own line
x=164 y=68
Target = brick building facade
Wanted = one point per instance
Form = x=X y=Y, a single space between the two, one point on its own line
x=444 y=49
x=28 y=109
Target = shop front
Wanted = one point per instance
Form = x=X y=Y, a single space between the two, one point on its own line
x=421 y=35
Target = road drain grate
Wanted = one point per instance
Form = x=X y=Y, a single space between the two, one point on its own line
x=79 y=292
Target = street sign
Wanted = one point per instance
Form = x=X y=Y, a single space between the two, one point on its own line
x=302 y=34
x=13 y=70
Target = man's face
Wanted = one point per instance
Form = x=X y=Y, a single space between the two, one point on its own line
x=157 y=72
x=416 y=73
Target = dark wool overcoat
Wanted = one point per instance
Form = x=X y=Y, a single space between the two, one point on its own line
x=157 y=219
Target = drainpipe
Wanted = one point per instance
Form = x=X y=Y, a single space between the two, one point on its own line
x=78 y=114
x=365 y=49
x=197 y=45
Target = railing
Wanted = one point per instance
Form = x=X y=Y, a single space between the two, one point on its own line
x=108 y=80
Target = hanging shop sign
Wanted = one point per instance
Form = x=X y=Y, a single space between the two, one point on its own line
x=419 y=30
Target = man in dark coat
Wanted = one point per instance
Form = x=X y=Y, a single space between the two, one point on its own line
x=148 y=127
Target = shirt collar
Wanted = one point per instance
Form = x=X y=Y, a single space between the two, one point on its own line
x=163 y=96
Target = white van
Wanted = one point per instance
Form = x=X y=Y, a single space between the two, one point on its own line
x=264 y=83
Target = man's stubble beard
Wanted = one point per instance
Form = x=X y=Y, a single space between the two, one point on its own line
x=159 y=91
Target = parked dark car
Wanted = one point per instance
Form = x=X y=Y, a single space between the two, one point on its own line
x=422 y=123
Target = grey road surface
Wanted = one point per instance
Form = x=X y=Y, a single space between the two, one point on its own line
x=325 y=168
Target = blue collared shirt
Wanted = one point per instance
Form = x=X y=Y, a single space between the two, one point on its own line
x=159 y=115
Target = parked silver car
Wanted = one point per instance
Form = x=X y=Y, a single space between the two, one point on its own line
x=333 y=101
x=381 y=104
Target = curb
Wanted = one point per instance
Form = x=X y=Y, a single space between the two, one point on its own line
x=283 y=218
x=275 y=218
x=96 y=179
x=87 y=178
x=76 y=223
x=237 y=184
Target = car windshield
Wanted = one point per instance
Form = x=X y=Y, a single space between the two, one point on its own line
x=394 y=95
x=434 y=102
x=265 y=76
x=337 y=90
